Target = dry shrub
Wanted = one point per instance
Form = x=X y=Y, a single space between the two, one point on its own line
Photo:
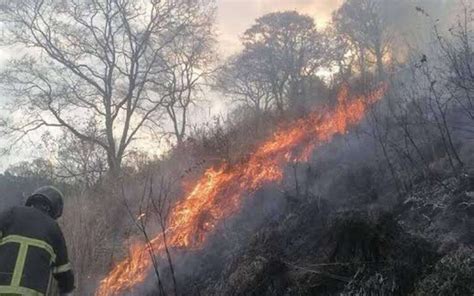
x=452 y=275
x=88 y=224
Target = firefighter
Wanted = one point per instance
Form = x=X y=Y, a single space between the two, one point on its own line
x=33 y=253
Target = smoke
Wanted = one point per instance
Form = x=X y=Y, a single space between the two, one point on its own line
x=412 y=21
x=331 y=178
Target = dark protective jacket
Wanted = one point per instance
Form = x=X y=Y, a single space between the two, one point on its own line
x=32 y=252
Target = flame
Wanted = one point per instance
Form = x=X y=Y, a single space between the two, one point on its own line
x=219 y=192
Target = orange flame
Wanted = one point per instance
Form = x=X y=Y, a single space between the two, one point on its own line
x=219 y=192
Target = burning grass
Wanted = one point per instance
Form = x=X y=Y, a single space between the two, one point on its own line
x=220 y=191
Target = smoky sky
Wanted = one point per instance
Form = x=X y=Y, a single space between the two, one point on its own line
x=235 y=16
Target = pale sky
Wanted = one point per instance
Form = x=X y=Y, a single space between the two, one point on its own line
x=235 y=16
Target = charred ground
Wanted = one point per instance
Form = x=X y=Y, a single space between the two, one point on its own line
x=351 y=243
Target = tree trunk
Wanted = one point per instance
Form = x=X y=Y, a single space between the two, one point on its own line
x=115 y=164
x=380 y=66
x=362 y=64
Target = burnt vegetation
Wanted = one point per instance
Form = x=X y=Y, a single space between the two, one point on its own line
x=386 y=208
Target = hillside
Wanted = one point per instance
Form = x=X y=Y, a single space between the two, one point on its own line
x=348 y=239
x=313 y=158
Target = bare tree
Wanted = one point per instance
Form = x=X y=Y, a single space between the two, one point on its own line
x=79 y=161
x=37 y=171
x=155 y=204
x=339 y=47
x=93 y=62
x=457 y=52
x=281 y=50
x=240 y=80
x=187 y=62
x=362 y=23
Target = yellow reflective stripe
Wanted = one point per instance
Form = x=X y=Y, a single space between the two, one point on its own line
x=50 y=281
x=31 y=242
x=53 y=288
x=19 y=265
x=19 y=290
x=62 y=268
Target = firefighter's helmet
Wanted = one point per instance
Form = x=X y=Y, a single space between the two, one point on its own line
x=49 y=195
